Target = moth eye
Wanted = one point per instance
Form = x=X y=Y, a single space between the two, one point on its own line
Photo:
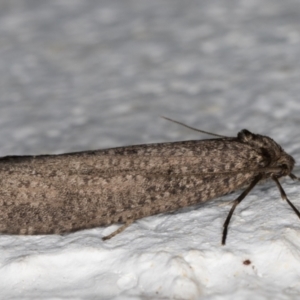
x=283 y=166
x=283 y=170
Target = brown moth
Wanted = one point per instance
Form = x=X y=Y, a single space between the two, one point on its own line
x=54 y=194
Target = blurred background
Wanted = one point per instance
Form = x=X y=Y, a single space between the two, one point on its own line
x=78 y=75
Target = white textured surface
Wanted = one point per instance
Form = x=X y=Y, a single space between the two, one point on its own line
x=78 y=75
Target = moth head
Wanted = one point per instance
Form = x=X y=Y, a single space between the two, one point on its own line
x=286 y=164
x=273 y=153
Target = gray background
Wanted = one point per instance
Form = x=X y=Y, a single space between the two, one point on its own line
x=78 y=75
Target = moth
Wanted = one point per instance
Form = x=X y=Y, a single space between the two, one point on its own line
x=55 y=194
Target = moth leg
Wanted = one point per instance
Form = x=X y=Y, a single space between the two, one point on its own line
x=235 y=203
x=283 y=195
x=119 y=230
x=294 y=177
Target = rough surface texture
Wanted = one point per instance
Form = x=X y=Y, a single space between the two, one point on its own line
x=78 y=75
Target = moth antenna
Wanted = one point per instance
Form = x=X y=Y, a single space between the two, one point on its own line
x=237 y=201
x=284 y=197
x=195 y=129
x=294 y=177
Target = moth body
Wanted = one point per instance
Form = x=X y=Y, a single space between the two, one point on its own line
x=49 y=194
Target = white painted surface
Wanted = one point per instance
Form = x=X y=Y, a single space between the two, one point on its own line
x=78 y=75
